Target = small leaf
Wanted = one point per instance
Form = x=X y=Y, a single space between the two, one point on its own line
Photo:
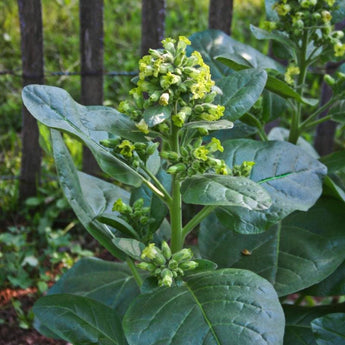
x=338 y=112
x=329 y=329
x=155 y=115
x=334 y=161
x=210 y=125
x=79 y=320
x=220 y=190
x=212 y=307
x=118 y=224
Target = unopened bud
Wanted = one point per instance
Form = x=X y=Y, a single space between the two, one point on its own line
x=164 y=99
x=188 y=265
x=146 y=266
x=166 y=250
x=184 y=254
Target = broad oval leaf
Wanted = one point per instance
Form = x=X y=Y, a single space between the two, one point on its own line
x=221 y=190
x=302 y=250
x=240 y=91
x=79 y=320
x=291 y=177
x=329 y=329
x=55 y=108
x=213 y=43
x=107 y=282
x=225 y=307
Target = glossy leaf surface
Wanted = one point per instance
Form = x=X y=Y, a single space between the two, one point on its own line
x=240 y=91
x=211 y=189
x=298 y=329
x=299 y=252
x=80 y=320
x=329 y=329
x=225 y=307
x=291 y=177
x=55 y=108
x=107 y=282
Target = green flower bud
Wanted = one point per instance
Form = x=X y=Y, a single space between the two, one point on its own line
x=138 y=204
x=146 y=266
x=173 y=264
x=174 y=169
x=203 y=131
x=184 y=254
x=164 y=99
x=166 y=250
x=188 y=265
x=339 y=49
x=172 y=156
x=329 y=80
x=167 y=278
x=326 y=16
x=110 y=143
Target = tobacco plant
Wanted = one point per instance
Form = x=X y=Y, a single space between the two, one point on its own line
x=213 y=228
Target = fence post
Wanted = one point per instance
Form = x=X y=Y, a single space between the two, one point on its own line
x=220 y=15
x=30 y=14
x=152 y=24
x=91 y=52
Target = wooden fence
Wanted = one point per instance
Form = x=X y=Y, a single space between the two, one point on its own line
x=91 y=55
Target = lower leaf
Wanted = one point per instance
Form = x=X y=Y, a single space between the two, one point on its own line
x=224 y=307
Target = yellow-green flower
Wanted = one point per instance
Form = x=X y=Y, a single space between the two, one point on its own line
x=126 y=148
x=201 y=153
x=326 y=16
x=290 y=72
x=214 y=113
x=283 y=9
x=215 y=145
x=339 y=49
x=150 y=252
x=142 y=126
x=164 y=99
x=119 y=206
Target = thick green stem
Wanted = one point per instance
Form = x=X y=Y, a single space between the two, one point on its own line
x=176 y=203
x=196 y=220
x=134 y=271
x=303 y=67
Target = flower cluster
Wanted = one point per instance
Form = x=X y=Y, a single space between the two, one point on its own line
x=165 y=266
x=137 y=216
x=169 y=78
x=298 y=16
x=196 y=159
x=243 y=170
x=136 y=154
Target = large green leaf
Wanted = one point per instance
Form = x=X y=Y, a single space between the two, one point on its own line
x=86 y=200
x=221 y=190
x=55 y=108
x=329 y=329
x=107 y=282
x=298 y=328
x=291 y=177
x=79 y=320
x=299 y=252
x=334 y=161
x=213 y=43
x=333 y=285
x=225 y=307
x=240 y=91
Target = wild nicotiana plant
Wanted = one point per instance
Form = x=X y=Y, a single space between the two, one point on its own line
x=174 y=148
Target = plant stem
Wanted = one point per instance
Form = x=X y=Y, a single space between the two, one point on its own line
x=167 y=197
x=134 y=270
x=206 y=210
x=175 y=206
x=317 y=122
x=303 y=66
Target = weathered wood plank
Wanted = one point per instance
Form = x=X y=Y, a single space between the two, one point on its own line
x=30 y=14
x=220 y=15
x=91 y=53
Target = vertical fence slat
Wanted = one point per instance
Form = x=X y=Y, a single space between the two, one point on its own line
x=220 y=15
x=91 y=52
x=152 y=24
x=30 y=14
